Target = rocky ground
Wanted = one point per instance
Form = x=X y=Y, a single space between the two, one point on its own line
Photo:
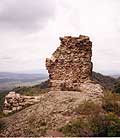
x=55 y=109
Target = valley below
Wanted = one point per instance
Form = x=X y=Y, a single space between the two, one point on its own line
x=8 y=81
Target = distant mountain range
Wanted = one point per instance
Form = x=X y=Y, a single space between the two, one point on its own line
x=115 y=76
x=106 y=81
x=10 y=80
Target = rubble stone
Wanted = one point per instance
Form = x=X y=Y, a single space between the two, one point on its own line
x=15 y=102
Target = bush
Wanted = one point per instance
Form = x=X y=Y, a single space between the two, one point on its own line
x=100 y=125
x=117 y=87
x=76 y=128
x=96 y=121
x=105 y=125
x=88 y=107
x=91 y=125
x=33 y=90
x=96 y=124
x=111 y=102
x=2 y=98
x=2 y=125
x=112 y=124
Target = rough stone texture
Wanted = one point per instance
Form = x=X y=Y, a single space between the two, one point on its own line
x=15 y=102
x=55 y=109
x=70 y=65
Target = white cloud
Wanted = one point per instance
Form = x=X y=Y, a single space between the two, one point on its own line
x=46 y=20
x=26 y=14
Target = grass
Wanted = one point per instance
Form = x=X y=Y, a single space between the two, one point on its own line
x=111 y=102
x=98 y=120
x=100 y=125
x=76 y=128
x=112 y=125
x=117 y=87
x=2 y=125
x=33 y=90
x=87 y=107
x=87 y=126
x=2 y=98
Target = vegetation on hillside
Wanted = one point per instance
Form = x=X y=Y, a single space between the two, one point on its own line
x=30 y=91
x=106 y=81
x=33 y=90
x=92 y=119
x=95 y=120
x=117 y=86
x=111 y=102
x=2 y=97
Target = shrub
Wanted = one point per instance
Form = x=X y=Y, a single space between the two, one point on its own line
x=2 y=125
x=31 y=90
x=75 y=128
x=117 y=87
x=2 y=98
x=100 y=125
x=112 y=124
x=105 y=125
x=96 y=122
x=111 y=102
x=91 y=125
x=87 y=107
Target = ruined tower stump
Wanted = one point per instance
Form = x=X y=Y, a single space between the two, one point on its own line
x=70 y=65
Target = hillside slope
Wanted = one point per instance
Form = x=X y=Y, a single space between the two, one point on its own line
x=54 y=110
x=106 y=81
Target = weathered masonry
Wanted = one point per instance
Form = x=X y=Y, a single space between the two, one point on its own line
x=70 y=65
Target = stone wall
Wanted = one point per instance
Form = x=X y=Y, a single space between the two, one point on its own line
x=70 y=65
x=15 y=102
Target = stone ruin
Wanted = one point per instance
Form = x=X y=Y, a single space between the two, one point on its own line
x=15 y=102
x=70 y=65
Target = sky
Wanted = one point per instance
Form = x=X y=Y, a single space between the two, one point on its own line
x=30 y=31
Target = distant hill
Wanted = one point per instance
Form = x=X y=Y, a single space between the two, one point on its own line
x=11 y=80
x=106 y=81
x=115 y=76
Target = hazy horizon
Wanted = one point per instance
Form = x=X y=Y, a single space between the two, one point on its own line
x=30 y=32
x=45 y=72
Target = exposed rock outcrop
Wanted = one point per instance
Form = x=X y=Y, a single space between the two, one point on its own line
x=70 y=65
x=54 y=110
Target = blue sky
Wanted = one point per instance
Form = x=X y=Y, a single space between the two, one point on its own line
x=30 y=31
